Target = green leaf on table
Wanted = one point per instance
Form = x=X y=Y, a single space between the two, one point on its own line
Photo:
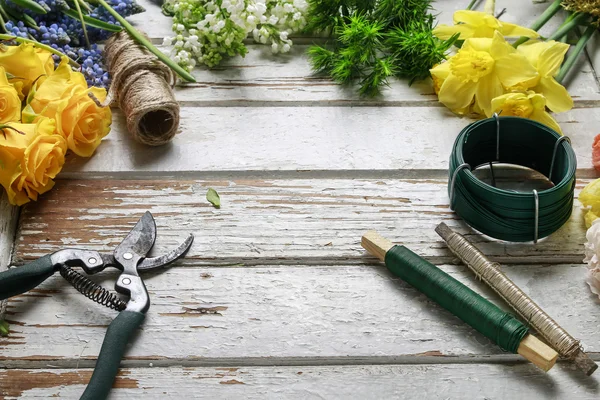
x=4 y=328
x=31 y=5
x=213 y=197
x=93 y=22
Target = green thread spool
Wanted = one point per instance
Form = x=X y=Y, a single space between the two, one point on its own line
x=500 y=327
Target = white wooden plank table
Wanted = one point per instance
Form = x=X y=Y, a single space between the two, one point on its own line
x=276 y=299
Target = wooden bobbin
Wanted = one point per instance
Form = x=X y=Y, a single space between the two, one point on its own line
x=530 y=347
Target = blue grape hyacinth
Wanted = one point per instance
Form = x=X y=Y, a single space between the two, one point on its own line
x=66 y=34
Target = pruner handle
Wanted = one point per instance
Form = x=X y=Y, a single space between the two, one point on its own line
x=21 y=279
x=118 y=334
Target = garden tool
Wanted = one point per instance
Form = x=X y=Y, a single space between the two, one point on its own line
x=130 y=258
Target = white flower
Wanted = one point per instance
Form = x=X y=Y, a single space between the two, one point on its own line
x=274 y=48
x=592 y=255
x=168 y=41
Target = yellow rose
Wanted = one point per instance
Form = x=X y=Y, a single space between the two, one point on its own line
x=64 y=97
x=26 y=63
x=31 y=158
x=10 y=104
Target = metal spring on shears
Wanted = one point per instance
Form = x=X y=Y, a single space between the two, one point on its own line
x=92 y=290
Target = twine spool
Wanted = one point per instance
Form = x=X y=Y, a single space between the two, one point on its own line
x=567 y=346
x=142 y=86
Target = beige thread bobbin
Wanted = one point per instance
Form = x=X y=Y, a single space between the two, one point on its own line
x=142 y=86
x=567 y=346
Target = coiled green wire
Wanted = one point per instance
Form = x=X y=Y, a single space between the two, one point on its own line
x=505 y=214
x=499 y=326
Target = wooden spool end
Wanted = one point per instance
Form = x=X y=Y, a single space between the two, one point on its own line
x=585 y=363
x=537 y=352
x=376 y=244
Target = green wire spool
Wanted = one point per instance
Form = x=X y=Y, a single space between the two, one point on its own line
x=506 y=214
x=499 y=326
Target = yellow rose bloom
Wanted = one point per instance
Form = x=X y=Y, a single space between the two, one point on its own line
x=64 y=97
x=480 y=71
x=83 y=123
x=477 y=24
x=10 y=103
x=546 y=58
x=31 y=159
x=525 y=105
x=26 y=63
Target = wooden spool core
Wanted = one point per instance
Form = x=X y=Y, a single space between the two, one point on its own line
x=530 y=347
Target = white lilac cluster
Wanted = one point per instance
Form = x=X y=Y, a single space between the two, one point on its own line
x=207 y=30
x=592 y=257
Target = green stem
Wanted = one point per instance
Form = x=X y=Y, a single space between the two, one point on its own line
x=541 y=21
x=3 y=27
x=85 y=35
x=84 y=5
x=142 y=40
x=41 y=46
x=471 y=4
x=567 y=27
x=572 y=58
x=567 y=20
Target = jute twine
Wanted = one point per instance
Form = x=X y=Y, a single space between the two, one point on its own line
x=567 y=346
x=142 y=86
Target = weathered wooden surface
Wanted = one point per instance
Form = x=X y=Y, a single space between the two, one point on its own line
x=276 y=299
x=435 y=382
x=408 y=141
x=284 y=311
x=285 y=221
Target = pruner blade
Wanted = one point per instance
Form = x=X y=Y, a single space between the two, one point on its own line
x=157 y=262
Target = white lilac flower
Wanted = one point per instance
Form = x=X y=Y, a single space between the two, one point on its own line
x=215 y=32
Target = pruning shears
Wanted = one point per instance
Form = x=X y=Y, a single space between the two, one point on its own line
x=130 y=258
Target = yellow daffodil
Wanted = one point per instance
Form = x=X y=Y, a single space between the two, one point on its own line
x=546 y=58
x=481 y=70
x=590 y=198
x=476 y=24
x=525 y=105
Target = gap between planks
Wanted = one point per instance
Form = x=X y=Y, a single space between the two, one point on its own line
x=163 y=362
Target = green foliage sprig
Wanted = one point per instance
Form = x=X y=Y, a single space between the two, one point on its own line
x=375 y=40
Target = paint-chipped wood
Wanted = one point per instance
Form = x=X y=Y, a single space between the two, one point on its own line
x=287 y=311
x=432 y=382
x=270 y=221
x=409 y=141
x=8 y=225
x=16 y=383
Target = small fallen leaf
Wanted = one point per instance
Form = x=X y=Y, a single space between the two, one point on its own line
x=213 y=197
x=4 y=328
